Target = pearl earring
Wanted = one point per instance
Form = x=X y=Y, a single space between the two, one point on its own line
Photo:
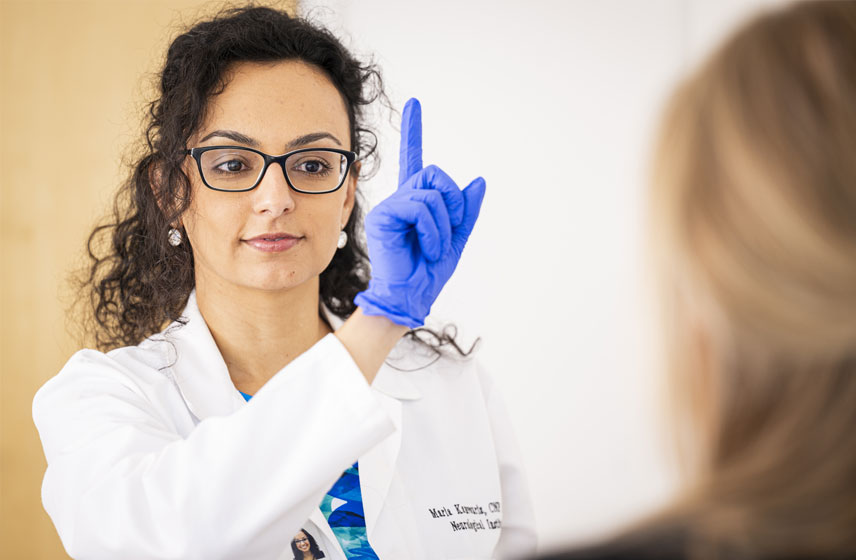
x=174 y=237
x=343 y=240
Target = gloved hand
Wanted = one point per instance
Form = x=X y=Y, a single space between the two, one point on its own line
x=416 y=236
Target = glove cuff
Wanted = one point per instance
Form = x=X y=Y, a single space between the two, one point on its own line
x=373 y=305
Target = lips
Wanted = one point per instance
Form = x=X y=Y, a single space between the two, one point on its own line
x=274 y=236
x=275 y=242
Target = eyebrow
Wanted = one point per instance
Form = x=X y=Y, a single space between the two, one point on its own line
x=294 y=143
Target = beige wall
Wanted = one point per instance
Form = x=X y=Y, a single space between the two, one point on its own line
x=73 y=76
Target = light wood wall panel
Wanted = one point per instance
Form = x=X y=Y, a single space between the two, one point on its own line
x=73 y=79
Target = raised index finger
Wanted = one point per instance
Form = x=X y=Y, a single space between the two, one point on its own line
x=410 y=157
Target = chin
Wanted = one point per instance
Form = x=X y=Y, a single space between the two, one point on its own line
x=281 y=280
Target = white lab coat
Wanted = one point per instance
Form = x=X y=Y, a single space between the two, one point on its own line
x=153 y=453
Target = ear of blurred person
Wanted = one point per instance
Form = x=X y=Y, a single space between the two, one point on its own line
x=753 y=236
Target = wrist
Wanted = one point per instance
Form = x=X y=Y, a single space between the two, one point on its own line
x=403 y=304
x=369 y=339
x=372 y=306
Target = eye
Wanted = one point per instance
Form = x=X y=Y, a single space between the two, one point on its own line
x=312 y=167
x=230 y=162
x=231 y=166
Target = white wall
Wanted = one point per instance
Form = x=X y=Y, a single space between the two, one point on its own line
x=555 y=104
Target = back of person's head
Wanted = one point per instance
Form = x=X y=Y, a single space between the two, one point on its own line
x=754 y=227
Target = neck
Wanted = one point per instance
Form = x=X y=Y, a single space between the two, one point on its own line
x=308 y=555
x=259 y=332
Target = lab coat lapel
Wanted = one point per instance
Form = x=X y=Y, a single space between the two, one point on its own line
x=391 y=386
x=318 y=519
x=377 y=466
x=200 y=372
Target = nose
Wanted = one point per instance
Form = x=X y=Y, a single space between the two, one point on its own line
x=273 y=196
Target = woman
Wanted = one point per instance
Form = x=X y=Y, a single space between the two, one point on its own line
x=304 y=547
x=252 y=262
x=754 y=226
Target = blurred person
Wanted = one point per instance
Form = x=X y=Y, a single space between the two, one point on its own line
x=250 y=379
x=753 y=229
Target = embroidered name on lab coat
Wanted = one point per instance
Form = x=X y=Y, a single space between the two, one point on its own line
x=470 y=517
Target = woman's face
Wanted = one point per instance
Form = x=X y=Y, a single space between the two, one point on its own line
x=301 y=541
x=275 y=108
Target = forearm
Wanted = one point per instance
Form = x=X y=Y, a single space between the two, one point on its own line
x=369 y=339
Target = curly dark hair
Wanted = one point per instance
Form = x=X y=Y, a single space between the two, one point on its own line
x=137 y=282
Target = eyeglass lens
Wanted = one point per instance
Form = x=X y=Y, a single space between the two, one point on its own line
x=238 y=169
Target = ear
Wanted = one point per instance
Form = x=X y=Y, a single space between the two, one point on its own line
x=156 y=182
x=350 y=192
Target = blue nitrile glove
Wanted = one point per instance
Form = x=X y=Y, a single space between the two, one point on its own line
x=416 y=236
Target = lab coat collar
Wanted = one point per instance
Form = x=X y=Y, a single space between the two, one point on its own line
x=200 y=372
x=203 y=378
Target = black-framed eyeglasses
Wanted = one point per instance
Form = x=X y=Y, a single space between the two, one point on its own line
x=239 y=169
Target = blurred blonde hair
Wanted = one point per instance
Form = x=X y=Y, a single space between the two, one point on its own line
x=753 y=222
